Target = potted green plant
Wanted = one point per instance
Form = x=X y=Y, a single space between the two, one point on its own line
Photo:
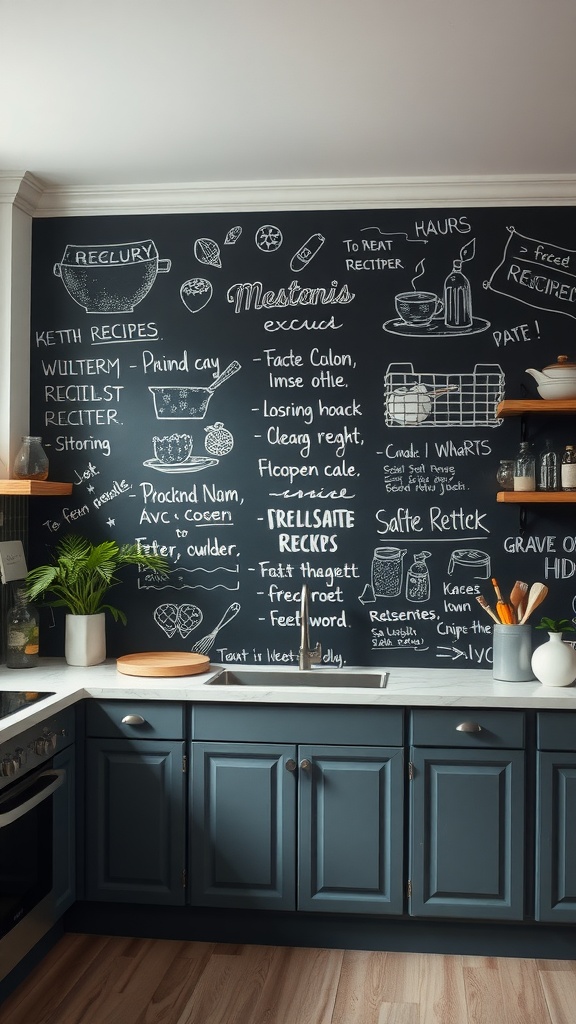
x=78 y=578
x=554 y=662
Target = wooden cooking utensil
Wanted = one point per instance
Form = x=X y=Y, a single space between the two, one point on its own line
x=517 y=594
x=502 y=609
x=537 y=594
x=484 y=604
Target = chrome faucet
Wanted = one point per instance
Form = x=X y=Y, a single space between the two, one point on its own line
x=308 y=656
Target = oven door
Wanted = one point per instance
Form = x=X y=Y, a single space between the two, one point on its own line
x=26 y=869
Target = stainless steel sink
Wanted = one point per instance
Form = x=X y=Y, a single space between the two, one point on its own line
x=269 y=677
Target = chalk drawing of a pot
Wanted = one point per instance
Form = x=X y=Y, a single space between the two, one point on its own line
x=110 y=278
x=413 y=405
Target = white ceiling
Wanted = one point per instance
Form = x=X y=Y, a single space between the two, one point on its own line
x=151 y=91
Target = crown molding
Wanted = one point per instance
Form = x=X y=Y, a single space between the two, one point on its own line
x=22 y=190
x=369 y=193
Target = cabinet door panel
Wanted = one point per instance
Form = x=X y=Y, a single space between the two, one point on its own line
x=556 y=838
x=64 y=891
x=467 y=848
x=351 y=829
x=135 y=821
x=243 y=825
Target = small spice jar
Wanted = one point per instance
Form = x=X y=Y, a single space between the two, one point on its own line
x=505 y=474
x=31 y=462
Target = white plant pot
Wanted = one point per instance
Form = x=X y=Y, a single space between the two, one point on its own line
x=554 y=662
x=85 y=642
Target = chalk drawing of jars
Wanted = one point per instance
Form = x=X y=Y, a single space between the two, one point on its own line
x=387 y=571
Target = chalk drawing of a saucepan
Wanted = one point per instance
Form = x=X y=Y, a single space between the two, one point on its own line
x=183 y=402
x=414 y=404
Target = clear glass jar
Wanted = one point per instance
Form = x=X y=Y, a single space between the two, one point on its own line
x=22 y=632
x=548 y=468
x=505 y=474
x=524 y=469
x=568 y=469
x=31 y=462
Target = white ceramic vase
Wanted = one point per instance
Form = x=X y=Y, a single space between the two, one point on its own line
x=85 y=641
x=554 y=662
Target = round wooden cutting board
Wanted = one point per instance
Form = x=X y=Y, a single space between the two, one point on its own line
x=162 y=663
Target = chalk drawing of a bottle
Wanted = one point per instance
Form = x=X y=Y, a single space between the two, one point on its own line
x=418 y=578
x=457 y=291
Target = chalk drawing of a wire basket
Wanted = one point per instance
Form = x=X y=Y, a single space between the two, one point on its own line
x=443 y=400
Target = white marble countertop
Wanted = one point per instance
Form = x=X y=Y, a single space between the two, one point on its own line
x=409 y=687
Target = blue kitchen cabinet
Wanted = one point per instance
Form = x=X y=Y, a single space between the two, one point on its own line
x=243 y=825
x=297 y=808
x=351 y=839
x=297 y=827
x=135 y=803
x=556 y=817
x=467 y=815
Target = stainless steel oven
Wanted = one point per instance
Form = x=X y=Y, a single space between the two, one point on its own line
x=31 y=783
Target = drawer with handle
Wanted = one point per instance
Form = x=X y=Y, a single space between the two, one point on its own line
x=467 y=727
x=141 y=719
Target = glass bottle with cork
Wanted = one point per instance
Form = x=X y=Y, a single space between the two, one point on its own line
x=568 y=468
x=524 y=469
x=547 y=468
x=22 y=630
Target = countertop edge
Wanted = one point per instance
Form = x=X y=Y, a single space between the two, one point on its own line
x=474 y=688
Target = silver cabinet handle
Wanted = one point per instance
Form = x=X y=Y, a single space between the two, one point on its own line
x=290 y=765
x=468 y=727
x=133 y=720
x=305 y=764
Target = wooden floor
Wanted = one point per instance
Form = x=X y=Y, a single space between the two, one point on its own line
x=89 y=979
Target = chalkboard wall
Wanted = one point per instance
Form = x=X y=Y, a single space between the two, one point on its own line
x=289 y=397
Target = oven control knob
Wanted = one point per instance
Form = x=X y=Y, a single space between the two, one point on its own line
x=21 y=756
x=8 y=765
x=50 y=739
x=40 y=745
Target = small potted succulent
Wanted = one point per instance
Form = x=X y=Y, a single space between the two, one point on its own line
x=79 y=578
x=554 y=662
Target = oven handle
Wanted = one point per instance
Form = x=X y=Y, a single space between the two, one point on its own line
x=57 y=774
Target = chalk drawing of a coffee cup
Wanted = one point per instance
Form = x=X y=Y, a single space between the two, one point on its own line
x=110 y=278
x=418 y=309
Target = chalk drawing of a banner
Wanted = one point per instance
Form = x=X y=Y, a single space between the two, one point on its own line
x=536 y=273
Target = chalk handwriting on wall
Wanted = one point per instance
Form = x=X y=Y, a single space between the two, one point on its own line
x=307 y=397
x=536 y=273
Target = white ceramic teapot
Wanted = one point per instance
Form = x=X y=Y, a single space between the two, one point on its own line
x=557 y=380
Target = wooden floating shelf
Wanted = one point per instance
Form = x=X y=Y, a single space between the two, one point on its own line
x=34 y=488
x=520 y=406
x=536 y=497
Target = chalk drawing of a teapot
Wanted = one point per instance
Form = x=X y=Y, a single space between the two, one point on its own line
x=411 y=405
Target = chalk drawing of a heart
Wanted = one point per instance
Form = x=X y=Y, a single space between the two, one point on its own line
x=174 y=618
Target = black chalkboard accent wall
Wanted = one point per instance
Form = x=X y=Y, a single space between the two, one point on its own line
x=303 y=397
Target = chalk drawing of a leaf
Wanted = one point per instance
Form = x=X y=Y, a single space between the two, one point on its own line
x=233 y=235
x=206 y=250
x=467 y=252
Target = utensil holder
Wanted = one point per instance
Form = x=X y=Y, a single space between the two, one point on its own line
x=512 y=653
